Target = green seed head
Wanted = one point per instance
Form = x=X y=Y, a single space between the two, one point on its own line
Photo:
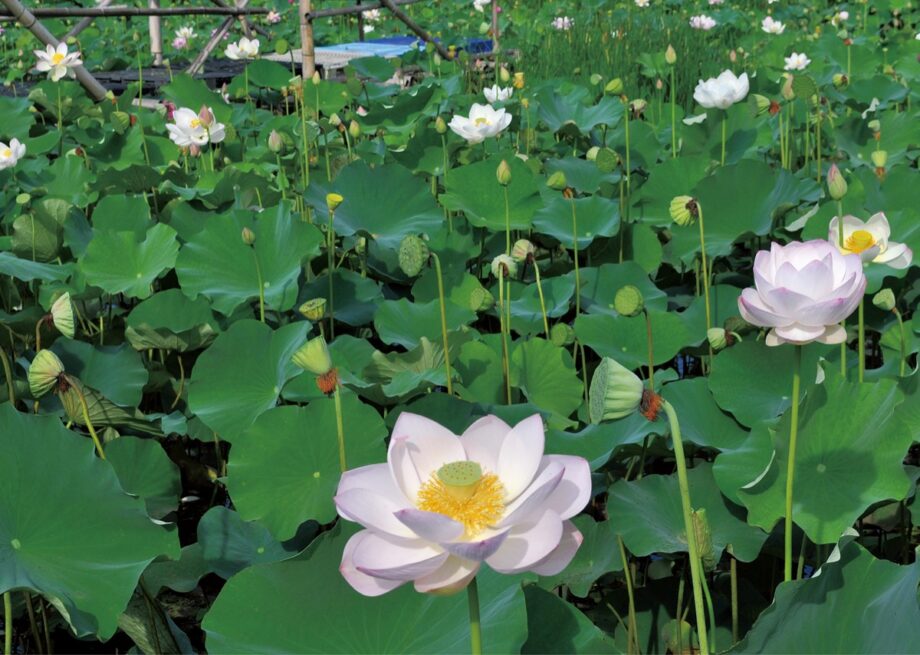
x=460 y=474
x=628 y=301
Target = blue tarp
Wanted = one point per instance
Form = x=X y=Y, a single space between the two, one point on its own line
x=394 y=46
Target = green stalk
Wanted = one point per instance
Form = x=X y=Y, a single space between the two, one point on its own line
x=11 y=389
x=673 y=117
x=506 y=370
x=651 y=357
x=472 y=594
x=712 y=616
x=790 y=465
x=903 y=366
x=437 y=270
x=261 y=285
x=818 y=141
x=7 y=623
x=60 y=124
x=705 y=263
x=862 y=339
x=89 y=423
x=282 y=179
x=843 y=323
x=575 y=258
x=330 y=264
x=340 y=428
x=684 y=486
x=507 y=221
x=734 y=587
x=724 y=132
x=536 y=270
x=33 y=624
x=632 y=638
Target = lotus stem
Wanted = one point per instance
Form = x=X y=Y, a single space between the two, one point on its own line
x=862 y=338
x=790 y=465
x=705 y=263
x=181 y=382
x=507 y=221
x=282 y=179
x=818 y=141
x=651 y=357
x=11 y=388
x=712 y=616
x=41 y=609
x=673 y=116
x=632 y=638
x=33 y=624
x=536 y=270
x=330 y=265
x=679 y=614
x=902 y=371
x=724 y=134
x=304 y=141
x=7 y=624
x=504 y=330
x=472 y=595
x=255 y=257
x=684 y=486
x=734 y=592
x=437 y=270
x=340 y=429
x=89 y=422
x=575 y=258
x=60 y=123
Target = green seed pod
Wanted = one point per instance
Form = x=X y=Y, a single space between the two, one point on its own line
x=333 y=200
x=504 y=266
x=737 y=325
x=684 y=210
x=314 y=309
x=562 y=334
x=481 y=300
x=522 y=250
x=62 y=315
x=44 y=373
x=879 y=158
x=717 y=338
x=703 y=535
x=761 y=104
x=615 y=392
x=314 y=356
x=413 y=255
x=628 y=301
x=614 y=86
x=607 y=160
x=884 y=300
x=557 y=181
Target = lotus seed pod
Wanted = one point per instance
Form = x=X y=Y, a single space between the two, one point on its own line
x=314 y=309
x=518 y=80
x=44 y=373
x=614 y=86
x=638 y=106
x=761 y=104
x=875 y=125
x=314 y=356
x=484 y=28
x=62 y=315
x=504 y=75
x=879 y=158
x=836 y=184
x=562 y=334
x=717 y=337
x=440 y=125
x=333 y=200
x=503 y=173
x=354 y=129
x=703 y=534
x=522 y=250
x=607 y=160
x=615 y=392
x=275 y=142
x=596 y=79
x=460 y=479
x=23 y=199
x=557 y=181
x=413 y=255
x=504 y=266
x=628 y=301
x=670 y=55
x=684 y=210
x=481 y=300
x=840 y=81
x=884 y=300
x=248 y=236
x=335 y=121
x=591 y=155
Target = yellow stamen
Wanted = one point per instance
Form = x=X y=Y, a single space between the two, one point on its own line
x=859 y=241
x=482 y=121
x=195 y=123
x=6 y=154
x=477 y=506
x=57 y=58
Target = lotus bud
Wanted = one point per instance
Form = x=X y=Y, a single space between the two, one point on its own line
x=481 y=300
x=786 y=88
x=562 y=334
x=884 y=300
x=504 y=75
x=205 y=116
x=523 y=250
x=503 y=173
x=354 y=130
x=615 y=392
x=275 y=142
x=670 y=55
x=44 y=372
x=316 y=78
x=62 y=315
x=503 y=266
x=703 y=534
x=684 y=210
x=314 y=309
x=879 y=158
x=518 y=82
x=841 y=81
x=591 y=155
x=614 y=86
x=440 y=126
x=596 y=79
x=557 y=181
x=717 y=337
x=314 y=356
x=628 y=301
x=659 y=84
x=761 y=104
x=875 y=125
x=248 y=236
x=413 y=255
x=333 y=200
x=194 y=150
x=836 y=185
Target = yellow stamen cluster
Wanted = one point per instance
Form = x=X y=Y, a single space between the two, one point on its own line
x=482 y=121
x=57 y=58
x=195 y=123
x=7 y=153
x=482 y=507
x=859 y=241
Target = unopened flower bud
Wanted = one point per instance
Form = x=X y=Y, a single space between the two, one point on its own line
x=836 y=184
x=316 y=78
x=333 y=200
x=314 y=309
x=413 y=255
x=628 y=301
x=44 y=372
x=615 y=392
x=503 y=266
x=248 y=236
x=786 y=88
x=503 y=173
x=557 y=181
x=614 y=86
x=440 y=125
x=670 y=55
x=684 y=210
x=884 y=300
x=194 y=150
x=562 y=334
x=703 y=534
x=313 y=356
x=354 y=129
x=206 y=116
x=522 y=250
x=275 y=142
x=504 y=75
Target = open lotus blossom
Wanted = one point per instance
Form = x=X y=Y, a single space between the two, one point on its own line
x=11 y=154
x=702 y=22
x=371 y=15
x=796 y=61
x=642 y=3
x=496 y=93
x=442 y=505
x=771 y=26
x=716 y=2
x=802 y=291
x=840 y=17
x=187 y=33
x=723 y=91
x=483 y=122
x=243 y=49
x=195 y=128
x=563 y=23
x=869 y=240
x=480 y=5
x=273 y=18
x=179 y=43
x=56 y=61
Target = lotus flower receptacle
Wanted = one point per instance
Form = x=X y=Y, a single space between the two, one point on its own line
x=615 y=392
x=314 y=356
x=314 y=309
x=333 y=200
x=522 y=251
x=628 y=301
x=884 y=300
x=62 y=315
x=44 y=373
x=413 y=255
x=684 y=210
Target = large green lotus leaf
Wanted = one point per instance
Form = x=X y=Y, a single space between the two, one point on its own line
x=241 y=375
x=858 y=604
x=385 y=203
x=122 y=213
x=701 y=420
x=285 y=468
x=27 y=270
x=217 y=264
x=102 y=412
x=67 y=530
x=37 y=237
x=69 y=178
x=641 y=245
x=119 y=262
x=479 y=365
x=595 y=217
x=596 y=556
x=600 y=285
x=268 y=74
x=625 y=338
x=753 y=381
x=403 y=375
x=355 y=297
x=851 y=446
x=116 y=371
x=723 y=300
x=739 y=467
x=546 y=374
x=169 y=320
x=270 y=608
x=761 y=193
x=18 y=117
x=229 y=544
x=474 y=190
x=555 y=626
x=526 y=313
x=581 y=174
x=648 y=514
x=670 y=178
x=186 y=91
x=404 y=323
x=597 y=442
x=145 y=471
x=559 y=110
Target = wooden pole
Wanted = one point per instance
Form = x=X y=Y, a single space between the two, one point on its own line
x=257 y=28
x=196 y=65
x=156 y=34
x=84 y=22
x=360 y=22
x=100 y=12
x=307 y=46
x=415 y=27
x=28 y=20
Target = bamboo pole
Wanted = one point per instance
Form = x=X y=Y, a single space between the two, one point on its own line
x=415 y=27
x=307 y=46
x=156 y=34
x=84 y=22
x=28 y=20
x=355 y=9
x=198 y=62
x=100 y=12
x=257 y=28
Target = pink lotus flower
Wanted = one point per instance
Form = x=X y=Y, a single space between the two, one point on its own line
x=442 y=505
x=803 y=291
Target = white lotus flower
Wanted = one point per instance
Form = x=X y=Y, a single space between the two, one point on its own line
x=796 y=61
x=771 y=26
x=723 y=91
x=716 y=2
x=443 y=505
x=702 y=22
x=642 y=3
x=187 y=33
x=483 y=122
x=191 y=128
x=563 y=23
x=11 y=154
x=57 y=62
x=371 y=15
x=273 y=17
x=244 y=49
x=496 y=93
x=840 y=17
x=480 y=5
x=869 y=240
